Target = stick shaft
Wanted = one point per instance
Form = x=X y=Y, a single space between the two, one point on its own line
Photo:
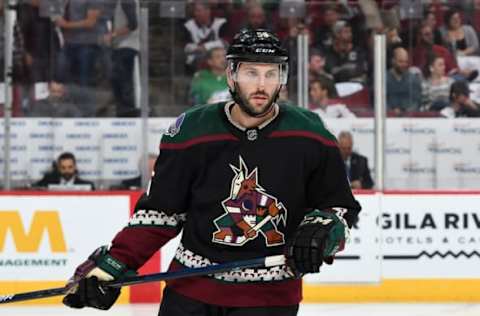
x=155 y=277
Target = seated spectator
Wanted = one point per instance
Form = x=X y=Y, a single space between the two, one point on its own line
x=202 y=33
x=460 y=38
x=404 y=87
x=425 y=46
x=65 y=174
x=136 y=182
x=316 y=66
x=430 y=19
x=59 y=103
x=320 y=101
x=460 y=103
x=356 y=165
x=343 y=60
x=436 y=85
x=210 y=85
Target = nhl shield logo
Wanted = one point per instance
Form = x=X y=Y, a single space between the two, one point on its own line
x=249 y=212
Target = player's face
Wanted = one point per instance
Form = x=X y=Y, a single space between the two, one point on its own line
x=257 y=84
x=66 y=168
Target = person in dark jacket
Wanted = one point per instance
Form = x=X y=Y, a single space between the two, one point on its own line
x=65 y=173
x=356 y=164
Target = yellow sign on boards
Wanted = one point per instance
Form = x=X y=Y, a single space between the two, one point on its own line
x=30 y=240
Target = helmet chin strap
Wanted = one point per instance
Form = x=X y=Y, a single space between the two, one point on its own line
x=243 y=103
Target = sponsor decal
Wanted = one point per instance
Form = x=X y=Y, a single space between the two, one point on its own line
x=50 y=123
x=466 y=168
x=465 y=129
x=448 y=230
x=87 y=148
x=43 y=223
x=415 y=168
x=124 y=148
x=116 y=160
x=41 y=135
x=115 y=135
x=362 y=129
x=123 y=123
x=78 y=136
x=87 y=123
x=442 y=148
x=394 y=149
x=412 y=128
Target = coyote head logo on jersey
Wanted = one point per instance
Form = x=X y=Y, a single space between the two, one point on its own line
x=249 y=211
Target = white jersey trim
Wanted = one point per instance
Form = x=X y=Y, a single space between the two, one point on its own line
x=191 y=260
x=156 y=218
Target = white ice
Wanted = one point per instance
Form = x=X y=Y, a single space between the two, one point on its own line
x=305 y=310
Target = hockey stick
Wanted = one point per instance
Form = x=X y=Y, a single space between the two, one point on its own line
x=163 y=276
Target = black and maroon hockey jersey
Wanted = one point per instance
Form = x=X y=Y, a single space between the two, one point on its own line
x=237 y=194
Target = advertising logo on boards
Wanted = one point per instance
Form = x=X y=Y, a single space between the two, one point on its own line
x=27 y=239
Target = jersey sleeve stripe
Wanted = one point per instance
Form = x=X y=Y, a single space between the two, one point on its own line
x=305 y=134
x=198 y=140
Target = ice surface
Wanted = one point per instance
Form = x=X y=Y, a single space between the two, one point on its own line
x=305 y=310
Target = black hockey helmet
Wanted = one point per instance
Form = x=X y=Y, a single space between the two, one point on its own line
x=256 y=46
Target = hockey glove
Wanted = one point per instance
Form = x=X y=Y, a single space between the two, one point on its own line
x=318 y=238
x=84 y=288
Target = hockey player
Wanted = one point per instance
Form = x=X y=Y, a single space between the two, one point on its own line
x=241 y=179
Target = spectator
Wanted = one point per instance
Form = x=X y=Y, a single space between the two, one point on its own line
x=324 y=35
x=136 y=182
x=460 y=38
x=65 y=174
x=320 y=101
x=356 y=165
x=404 y=87
x=460 y=103
x=316 y=66
x=125 y=42
x=82 y=31
x=202 y=33
x=436 y=85
x=425 y=46
x=256 y=17
x=430 y=19
x=343 y=60
x=41 y=41
x=210 y=85
x=59 y=103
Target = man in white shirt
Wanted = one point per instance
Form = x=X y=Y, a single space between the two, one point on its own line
x=321 y=104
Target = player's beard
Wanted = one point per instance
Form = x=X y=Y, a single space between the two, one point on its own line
x=253 y=110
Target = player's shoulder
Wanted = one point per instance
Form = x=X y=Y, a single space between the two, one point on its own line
x=301 y=120
x=198 y=121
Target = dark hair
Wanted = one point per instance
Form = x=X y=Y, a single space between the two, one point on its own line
x=65 y=156
x=324 y=84
x=431 y=58
x=459 y=87
x=448 y=15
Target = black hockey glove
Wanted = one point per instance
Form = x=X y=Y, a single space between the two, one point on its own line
x=318 y=238
x=85 y=288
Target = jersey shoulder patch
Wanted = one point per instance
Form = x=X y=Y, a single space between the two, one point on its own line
x=200 y=120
